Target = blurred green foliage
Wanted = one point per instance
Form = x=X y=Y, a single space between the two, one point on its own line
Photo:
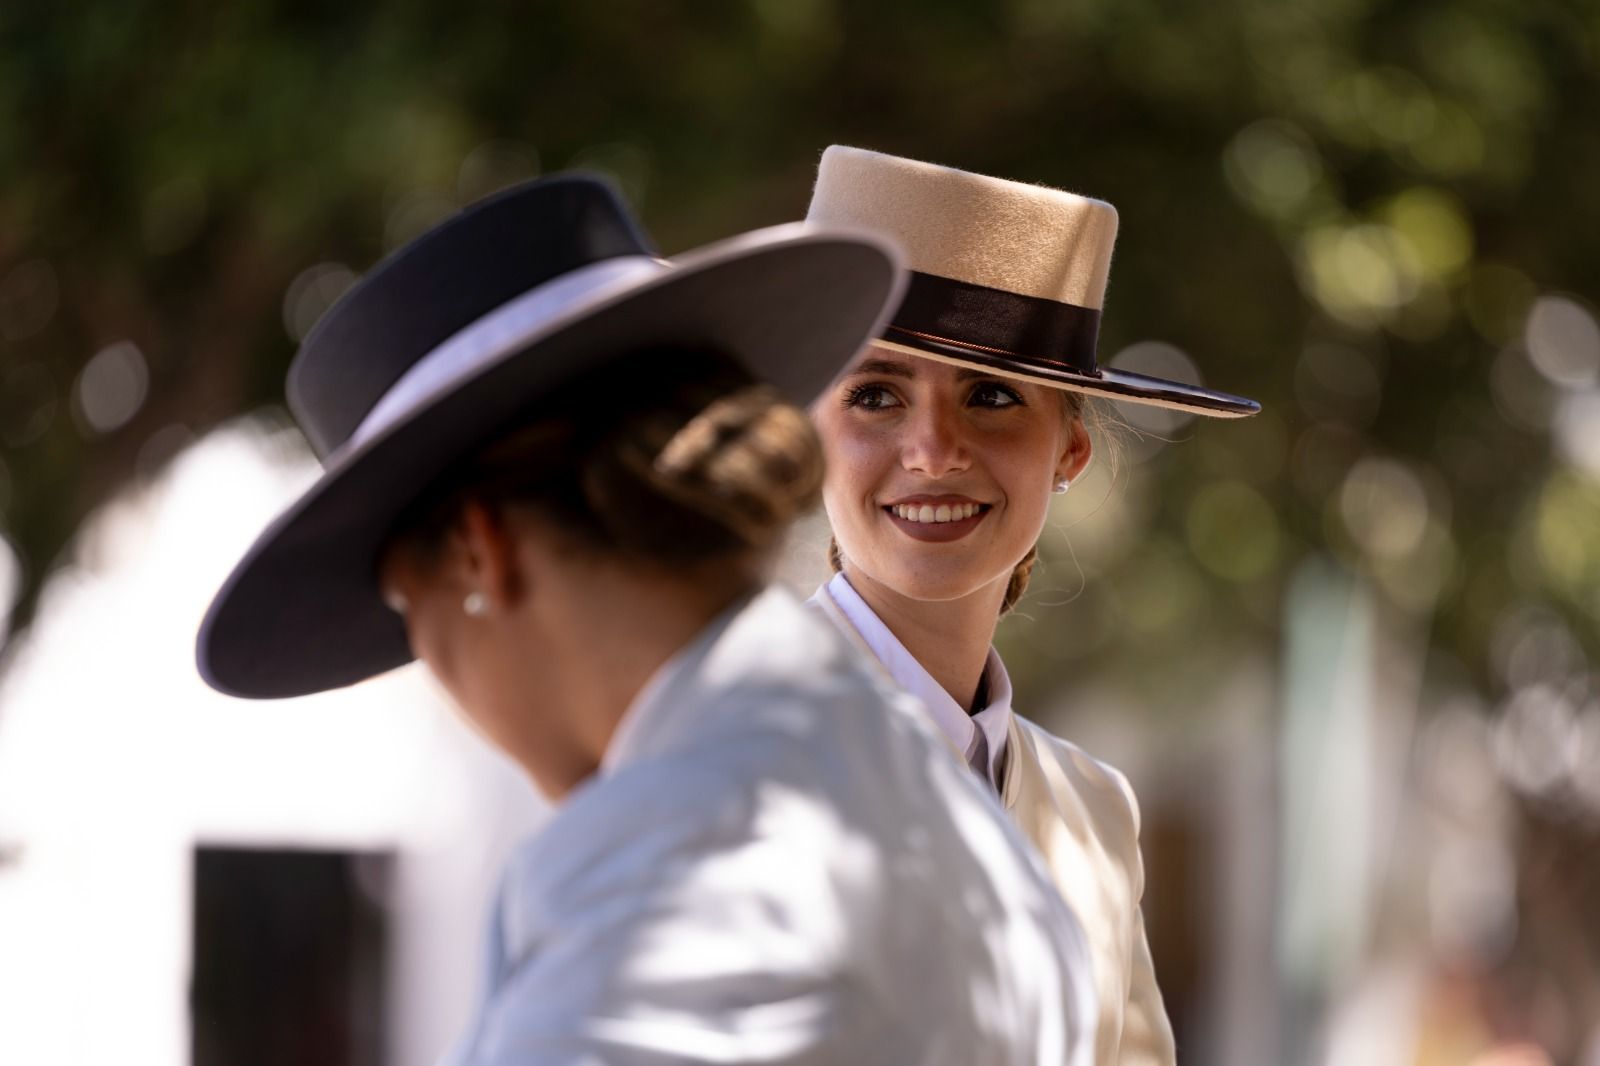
x=1343 y=208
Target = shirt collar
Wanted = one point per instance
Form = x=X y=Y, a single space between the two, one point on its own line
x=951 y=718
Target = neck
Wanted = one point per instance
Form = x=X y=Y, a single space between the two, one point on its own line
x=606 y=632
x=949 y=638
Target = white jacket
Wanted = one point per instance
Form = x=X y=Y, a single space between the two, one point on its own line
x=780 y=862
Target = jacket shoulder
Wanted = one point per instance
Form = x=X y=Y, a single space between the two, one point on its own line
x=1103 y=787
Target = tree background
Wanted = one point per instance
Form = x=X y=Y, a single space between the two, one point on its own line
x=1378 y=218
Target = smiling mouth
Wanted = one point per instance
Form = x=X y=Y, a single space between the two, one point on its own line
x=935 y=514
x=936 y=521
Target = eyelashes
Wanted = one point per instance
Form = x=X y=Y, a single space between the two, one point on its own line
x=859 y=395
x=1013 y=398
x=983 y=394
x=988 y=395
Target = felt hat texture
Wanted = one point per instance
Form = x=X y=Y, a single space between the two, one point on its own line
x=444 y=343
x=1005 y=276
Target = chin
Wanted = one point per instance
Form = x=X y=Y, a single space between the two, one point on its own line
x=935 y=584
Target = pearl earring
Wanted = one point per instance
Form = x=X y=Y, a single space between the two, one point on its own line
x=476 y=605
x=395 y=601
x=1062 y=486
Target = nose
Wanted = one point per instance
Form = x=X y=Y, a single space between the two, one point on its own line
x=934 y=443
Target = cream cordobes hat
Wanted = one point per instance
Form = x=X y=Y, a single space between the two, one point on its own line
x=1005 y=276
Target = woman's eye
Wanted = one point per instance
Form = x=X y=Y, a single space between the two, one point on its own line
x=871 y=398
x=994 y=394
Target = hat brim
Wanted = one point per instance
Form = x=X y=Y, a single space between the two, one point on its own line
x=1114 y=384
x=302 y=612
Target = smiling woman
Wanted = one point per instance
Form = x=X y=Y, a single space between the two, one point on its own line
x=944 y=442
x=897 y=426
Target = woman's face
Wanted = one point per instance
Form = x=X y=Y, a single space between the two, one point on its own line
x=939 y=476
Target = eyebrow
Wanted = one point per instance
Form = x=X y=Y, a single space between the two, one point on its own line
x=890 y=367
x=897 y=369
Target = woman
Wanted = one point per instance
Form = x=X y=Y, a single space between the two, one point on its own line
x=551 y=475
x=944 y=442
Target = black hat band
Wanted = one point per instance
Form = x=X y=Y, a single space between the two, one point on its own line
x=1056 y=335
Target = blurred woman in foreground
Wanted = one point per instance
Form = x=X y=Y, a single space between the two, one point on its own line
x=552 y=475
x=945 y=440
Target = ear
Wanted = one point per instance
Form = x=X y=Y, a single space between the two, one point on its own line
x=1076 y=452
x=484 y=553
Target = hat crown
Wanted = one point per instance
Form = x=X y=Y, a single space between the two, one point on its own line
x=451 y=276
x=1025 y=239
x=1006 y=277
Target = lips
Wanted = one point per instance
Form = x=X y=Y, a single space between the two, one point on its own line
x=936 y=519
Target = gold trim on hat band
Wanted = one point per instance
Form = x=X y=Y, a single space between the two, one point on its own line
x=952 y=342
x=1112 y=384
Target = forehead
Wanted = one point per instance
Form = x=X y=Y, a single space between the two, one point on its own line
x=884 y=363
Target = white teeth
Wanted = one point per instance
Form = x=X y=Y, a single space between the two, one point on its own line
x=928 y=513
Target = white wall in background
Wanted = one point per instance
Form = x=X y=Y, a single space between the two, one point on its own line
x=116 y=761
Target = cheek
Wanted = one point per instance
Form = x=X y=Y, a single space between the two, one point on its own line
x=431 y=633
x=855 y=457
x=423 y=646
x=1026 y=469
x=1031 y=507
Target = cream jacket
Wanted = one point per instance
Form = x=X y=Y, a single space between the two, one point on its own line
x=1084 y=819
x=1082 y=816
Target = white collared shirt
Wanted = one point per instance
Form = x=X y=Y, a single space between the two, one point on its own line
x=953 y=721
